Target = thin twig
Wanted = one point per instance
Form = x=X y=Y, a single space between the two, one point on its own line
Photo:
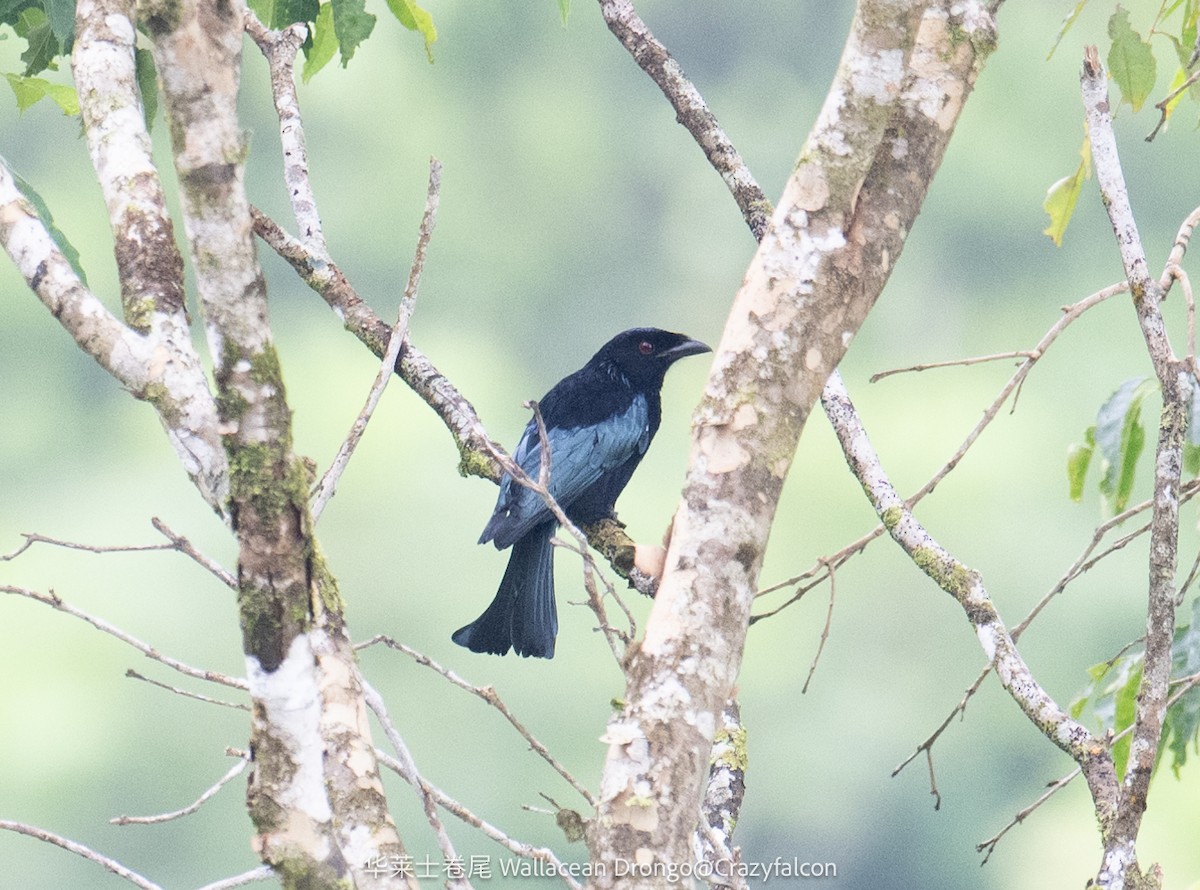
x=208 y=700
x=1070 y=314
x=79 y=849
x=328 y=484
x=1162 y=106
x=990 y=844
x=690 y=110
x=236 y=770
x=262 y=873
x=411 y=775
x=489 y=695
x=32 y=538
x=184 y=546
x=54 y=601
x=812 y=668
x=1184 y=684
x=954 y=363
x=452 y=806
x=927 y=745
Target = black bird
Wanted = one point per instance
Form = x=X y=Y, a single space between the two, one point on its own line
x=599 y=422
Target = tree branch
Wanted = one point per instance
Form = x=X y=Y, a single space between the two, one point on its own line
x=967 y=588
x=690 y=110
x=1120 y=866
x=841 y=223
x=79 y=849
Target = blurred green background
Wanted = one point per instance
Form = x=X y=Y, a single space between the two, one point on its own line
x=574 y=206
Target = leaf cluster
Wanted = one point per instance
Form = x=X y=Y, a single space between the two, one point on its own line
x=1111 y=697
x=1120 y=437
x=339 y=26
x=1133 y=65
x=334 y=26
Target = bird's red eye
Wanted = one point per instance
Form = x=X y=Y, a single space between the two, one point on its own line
x=645 y=347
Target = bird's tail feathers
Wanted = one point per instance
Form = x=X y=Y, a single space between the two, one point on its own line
x=523 y=615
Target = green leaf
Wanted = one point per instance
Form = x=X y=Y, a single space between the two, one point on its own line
x=1065 y=26
x=279 y=14
x=61 y=15
x=323 y=44
x=564 y=9
x=33 y=26
x=1191 y=459
x=147 y=79
x=352 y=24
x=47 y=218
x=1079 y=457
x=1064 y=194
x=413 y=17
x=1181 y=723
x=1130 y=60
x=1113 y=703
x=1120 y=437
x=30 y=90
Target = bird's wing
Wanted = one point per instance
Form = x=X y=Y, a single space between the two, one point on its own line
x=579 y=456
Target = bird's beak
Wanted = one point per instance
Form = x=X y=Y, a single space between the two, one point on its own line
x=686 y=348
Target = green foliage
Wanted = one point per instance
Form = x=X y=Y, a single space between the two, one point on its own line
x=352 y=24
x=321 y=45
x=1130 y=60
x=47 y=218
x=564 y=9
x=33 y=26
x=279 y=14
x=31 y=90
x=1079 y=458
x=1120 y=436
x=1111 y=695
x=1133 y=67
x=1063 y=195
x=48 y=29
x=413 y=17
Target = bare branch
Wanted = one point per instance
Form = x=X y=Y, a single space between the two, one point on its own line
x=208 y=700
x=177 y=390
x=54 y=601
x=452 y=806
x=954 y=363
x=820 y=569
x=489 y=695
x=396 y=340
x=79 y=849
x=262 y=873
x=968 y=590
x=411 y=775
x=690 y=110
x=32 y=538
x=184 y=546
x=988 y=847
x=833 y=240
x=812 y=668
x=236 y=770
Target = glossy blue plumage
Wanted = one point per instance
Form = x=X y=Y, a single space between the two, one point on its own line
x=599 y=423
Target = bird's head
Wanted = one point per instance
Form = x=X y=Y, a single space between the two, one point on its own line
x=642 y=355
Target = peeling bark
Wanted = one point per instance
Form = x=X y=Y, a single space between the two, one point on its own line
x=833 y=240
